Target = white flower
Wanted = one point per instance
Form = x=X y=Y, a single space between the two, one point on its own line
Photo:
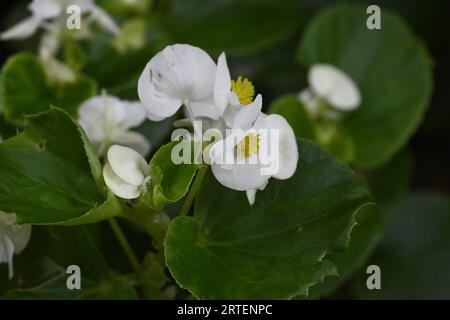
x=330 y=85
x=107 y=120
x=49 y=13
x=126 y=173
x=245 y=161
x=13 y=239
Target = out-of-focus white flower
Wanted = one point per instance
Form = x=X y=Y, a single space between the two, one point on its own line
x=329 y=87
x=334 y=86
x=107 y=120
x=244 y=161
x=126 y=173
x=50 y=14
x=13 y=239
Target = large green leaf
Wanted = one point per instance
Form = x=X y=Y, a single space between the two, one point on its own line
x=236 y=26
x=26 y=89
x=50 y=174
x=388 y=184
x=274 y=249
x=391 y=67
x=414 y=257
x=97 y=280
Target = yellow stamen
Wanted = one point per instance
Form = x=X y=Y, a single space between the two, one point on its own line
x=248 y=146
x=244 y=89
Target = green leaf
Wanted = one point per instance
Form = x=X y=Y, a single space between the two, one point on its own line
x=234 y=26
x=275 y=249
x=170 y=181
x=391 y=67
x=50 y=174
x=388 y=185
x=26 y=89
x=97 y=280
x=414 y=257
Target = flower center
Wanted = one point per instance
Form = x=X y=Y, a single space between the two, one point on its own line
x=248 y=146
x=244 y=89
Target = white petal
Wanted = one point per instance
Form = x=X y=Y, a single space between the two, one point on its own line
x=230 y=114
x=247 y=115
x=158 y=105
x=234 y=99
x=240 y=177
x=20 y=236
x=91 y=117
x=45 y=9
x=205 y=108
x=135 y=113
x=251 y=194
x=222 y=84
x=133 y=140
x=107 y=110
x=105 y=20
x=6 y=253
x=92 y=108
x=114 y=112
x=183 y=72
x=128 y=164
x=21 y=30
x=118 y=186
x=288 y=149
x=335 y=86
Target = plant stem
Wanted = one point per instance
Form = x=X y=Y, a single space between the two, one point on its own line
x=194 y=189
x=125 y=245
